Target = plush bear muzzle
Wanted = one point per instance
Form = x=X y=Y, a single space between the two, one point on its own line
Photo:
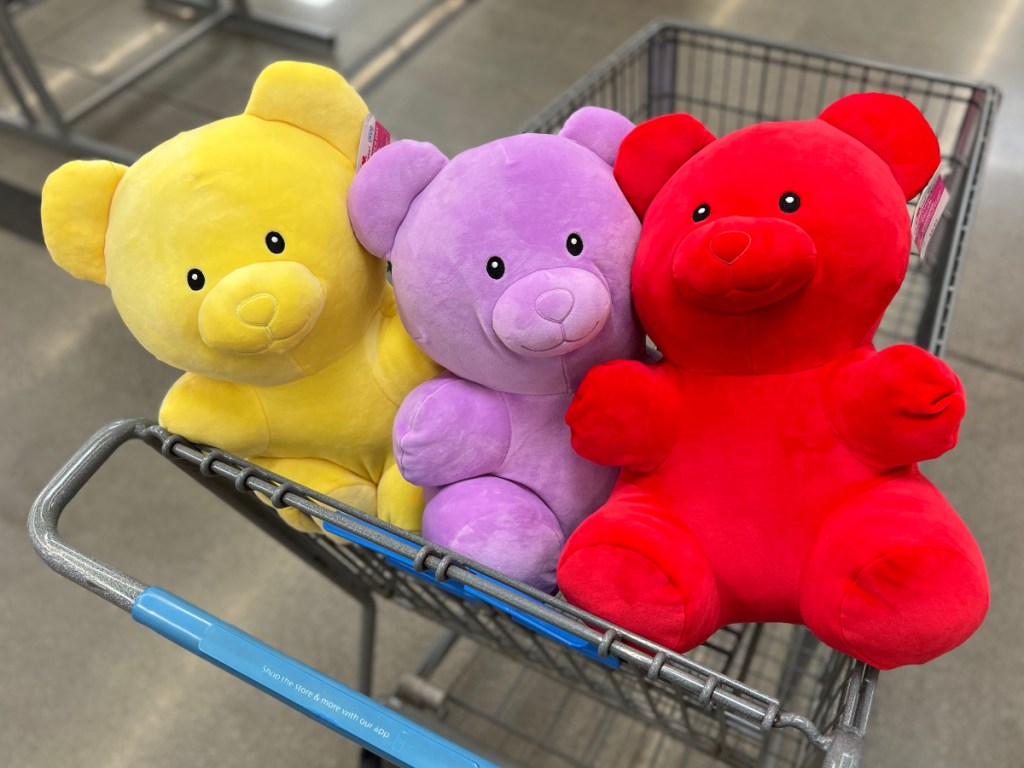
x=265 y=307
x=741 y=263
x=552 y=312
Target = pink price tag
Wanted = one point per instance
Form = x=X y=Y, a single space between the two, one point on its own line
x=928 y=212
x=373 y=137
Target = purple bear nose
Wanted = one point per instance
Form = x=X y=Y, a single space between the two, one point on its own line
x=555 y=305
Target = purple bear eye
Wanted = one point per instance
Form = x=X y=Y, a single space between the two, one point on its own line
x=495 y=268
x=574 y=244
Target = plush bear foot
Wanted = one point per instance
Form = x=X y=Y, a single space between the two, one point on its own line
x=327 y=478
x=399 y=502
x=632 y=568
x=895 y=578
x=933 y=600
x=499 y=524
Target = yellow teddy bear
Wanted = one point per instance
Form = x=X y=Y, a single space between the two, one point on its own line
x=229 y=255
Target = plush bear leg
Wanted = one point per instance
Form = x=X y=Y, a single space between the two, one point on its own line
x=499 y=524
x=894 y=578
x=326 y=477
x=629 y=565
x=398 y=501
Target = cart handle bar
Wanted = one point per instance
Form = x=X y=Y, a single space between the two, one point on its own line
x=314 y=694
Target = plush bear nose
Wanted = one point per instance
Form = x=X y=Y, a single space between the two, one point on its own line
x=729 y=246
x=554 y=305
x=258 y=310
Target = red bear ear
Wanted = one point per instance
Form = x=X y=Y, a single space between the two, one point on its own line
x=895 y=130
x=652 y=152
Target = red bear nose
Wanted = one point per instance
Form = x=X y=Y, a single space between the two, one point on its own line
x=729 y=246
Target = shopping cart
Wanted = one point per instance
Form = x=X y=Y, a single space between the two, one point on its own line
x=753 y=695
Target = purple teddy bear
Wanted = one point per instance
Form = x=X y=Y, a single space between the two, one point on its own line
x=511 y=268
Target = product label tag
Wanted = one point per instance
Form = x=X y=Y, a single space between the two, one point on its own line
x=930 y=205
x=373 y=137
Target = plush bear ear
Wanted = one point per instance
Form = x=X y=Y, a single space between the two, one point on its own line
x=652 y=153
x=311 y=97
x=75 y=212
x=599 y=130
x=895 y=130
x=385 y=187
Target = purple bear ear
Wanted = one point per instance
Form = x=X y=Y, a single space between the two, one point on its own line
x=599 y=130
x=385 y=187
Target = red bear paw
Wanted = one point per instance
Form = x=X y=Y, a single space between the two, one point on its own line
x=643 y=574
x=895 y=577
x=627 y=589
x=912 y=605
x=623 y=415
x=897 y=406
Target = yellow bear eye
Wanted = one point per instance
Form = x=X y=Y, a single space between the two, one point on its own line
x=275 y=243
x=196 y=279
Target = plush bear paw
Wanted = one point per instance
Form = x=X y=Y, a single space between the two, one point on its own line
x=623 y=415
x=642 y=573
x=498 y=524
x=627 y=589
x=898 y=406
x=912 y=605
x=895 y=578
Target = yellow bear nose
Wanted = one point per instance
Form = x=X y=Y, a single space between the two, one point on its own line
x=263 y=306
x=258 y=310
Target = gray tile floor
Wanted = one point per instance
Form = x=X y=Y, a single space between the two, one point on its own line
x=80 y=685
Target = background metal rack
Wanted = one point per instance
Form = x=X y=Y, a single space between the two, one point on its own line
x=754 y=695
x=40 y=117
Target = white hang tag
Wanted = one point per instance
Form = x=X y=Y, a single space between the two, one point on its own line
x=373 y=137
x=930 y=205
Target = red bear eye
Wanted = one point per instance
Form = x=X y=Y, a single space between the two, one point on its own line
x=789 y=202
x=701 y=212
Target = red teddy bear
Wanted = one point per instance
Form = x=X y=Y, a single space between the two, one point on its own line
x=769 y=461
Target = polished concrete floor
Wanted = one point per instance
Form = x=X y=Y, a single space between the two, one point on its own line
x=81 y=685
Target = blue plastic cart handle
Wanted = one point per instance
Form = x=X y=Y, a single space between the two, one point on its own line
x=317 y=696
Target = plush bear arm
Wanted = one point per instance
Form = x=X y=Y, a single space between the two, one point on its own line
x=449 y=429
x=400 y=364
x=220 y=413
x=894 y=407
x=624 y=414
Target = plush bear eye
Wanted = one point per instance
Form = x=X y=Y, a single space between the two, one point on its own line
x=495 y=268
x=196 y=279
x=789 y=202
x=701 y=212
x=574 y=244
x=275 y=243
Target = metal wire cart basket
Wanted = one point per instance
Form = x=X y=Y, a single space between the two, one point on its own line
x=595 y=694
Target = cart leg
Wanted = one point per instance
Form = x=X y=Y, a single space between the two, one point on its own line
x=367 y=639
x=369 y=760
x=845 y=751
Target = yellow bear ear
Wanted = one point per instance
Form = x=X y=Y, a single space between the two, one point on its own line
x=75 y=212
x=311 y=97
